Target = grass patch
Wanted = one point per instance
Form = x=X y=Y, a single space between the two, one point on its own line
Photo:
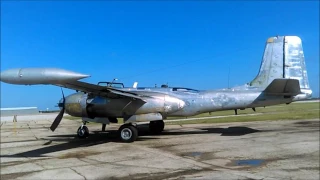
x=268 y=109
x=281 y=112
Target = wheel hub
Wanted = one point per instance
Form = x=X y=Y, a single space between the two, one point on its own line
x=81 y=132
x=126 y=133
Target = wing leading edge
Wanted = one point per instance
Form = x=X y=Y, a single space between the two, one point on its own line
x=62 y=78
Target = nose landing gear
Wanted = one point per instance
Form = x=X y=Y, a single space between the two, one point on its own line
x=83 y=131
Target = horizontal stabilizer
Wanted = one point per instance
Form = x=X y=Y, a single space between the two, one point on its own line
x=289 y=87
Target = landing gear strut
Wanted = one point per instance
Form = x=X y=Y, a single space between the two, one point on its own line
x=104 y=127
x=156 y=127
x=83 y=131
x=128 y=133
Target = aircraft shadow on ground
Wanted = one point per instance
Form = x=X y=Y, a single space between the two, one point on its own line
x=230 y=131
x=94 y=138
x=97 y=137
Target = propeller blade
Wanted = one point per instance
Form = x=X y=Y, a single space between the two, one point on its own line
x=57 y=120
x=62 y=93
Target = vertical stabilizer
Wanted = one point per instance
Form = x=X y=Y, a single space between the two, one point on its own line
x=283 y=58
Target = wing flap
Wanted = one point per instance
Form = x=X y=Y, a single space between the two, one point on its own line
x=288 y=87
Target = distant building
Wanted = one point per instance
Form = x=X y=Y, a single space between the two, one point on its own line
x=19 y=111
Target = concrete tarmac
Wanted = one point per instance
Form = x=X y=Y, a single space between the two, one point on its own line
x=250 y=150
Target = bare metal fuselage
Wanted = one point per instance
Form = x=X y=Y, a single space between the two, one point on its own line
x=183 y=103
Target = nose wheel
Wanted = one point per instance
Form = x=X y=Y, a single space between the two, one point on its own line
x=83 y=132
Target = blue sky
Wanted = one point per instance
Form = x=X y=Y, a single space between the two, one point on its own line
x=189 y=44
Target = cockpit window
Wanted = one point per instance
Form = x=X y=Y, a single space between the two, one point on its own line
x=110 y=84
x=185 y=90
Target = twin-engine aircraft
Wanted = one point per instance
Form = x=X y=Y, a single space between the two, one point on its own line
x=282 y=79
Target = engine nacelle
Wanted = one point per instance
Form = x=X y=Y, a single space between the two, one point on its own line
x=75 y=105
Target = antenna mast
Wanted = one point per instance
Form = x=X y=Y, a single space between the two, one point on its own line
x=229 y=78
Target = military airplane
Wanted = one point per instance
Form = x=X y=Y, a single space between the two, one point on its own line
x=282 y=79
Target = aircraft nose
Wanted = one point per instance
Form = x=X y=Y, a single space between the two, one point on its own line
x=173 y=104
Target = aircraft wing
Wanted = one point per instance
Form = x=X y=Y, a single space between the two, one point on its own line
x=288 y=87
x=62 y=78
x=97 y=89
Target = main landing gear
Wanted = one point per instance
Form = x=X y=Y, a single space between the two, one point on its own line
x=129 y=132
x=156 y=127
x=83 y=131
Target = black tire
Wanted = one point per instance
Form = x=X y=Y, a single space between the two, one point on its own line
x=128 y=133
x=156 y=127
x=83 y=133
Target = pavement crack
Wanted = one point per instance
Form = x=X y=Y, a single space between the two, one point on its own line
x=32 y=131
x=39 y=164
x=78 y=173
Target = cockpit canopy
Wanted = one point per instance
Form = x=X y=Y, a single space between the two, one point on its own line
x=111 y=84
x=181 y=89
x=174 y=89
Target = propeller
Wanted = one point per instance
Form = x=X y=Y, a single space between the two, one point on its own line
x=58 y=119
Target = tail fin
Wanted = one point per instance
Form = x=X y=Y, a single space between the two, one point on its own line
x=283 y=58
